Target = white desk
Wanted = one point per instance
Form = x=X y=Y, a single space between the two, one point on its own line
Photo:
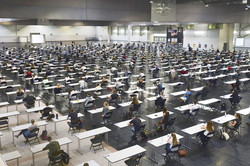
x=223 y=119
x=188 y=106
x=128 y=103
x=160 y=141
x=13 y=86
x=178 y=93
x=98 y=110
x=209 y=101
x=191 y=131
x=36 y=109
x=63 y=118
x=25 y=126
x=9 y=156
x=79 y=101
x=91 y=89
x=90 y=133
x=21 y=101
x=245 y=111
x=154 y=116
x=197 y=89
x=123 y=154
x=5 y=104
x=91 y=163
x=39 y=148
x=155 y=79
x=9 y=114
x=120 y=78
x=175 y=84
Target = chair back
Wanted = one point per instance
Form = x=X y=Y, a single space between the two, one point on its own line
x=33 y=133
x=175 y=149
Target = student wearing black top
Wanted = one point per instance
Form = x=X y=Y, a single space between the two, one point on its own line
x=235 y=122
x=46 y=111
x=29 y=101
x=234 y=98
x=113 y=97
x=165 y=119
x=136 y=122
x=73 y=116
x=57 y=89
x=203 y=91
x=20 y=71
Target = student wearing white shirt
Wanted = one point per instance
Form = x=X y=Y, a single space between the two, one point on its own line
x=83 y=84
x=172 y=141
x=209 y=128
x=67 y=79
x=193 y=107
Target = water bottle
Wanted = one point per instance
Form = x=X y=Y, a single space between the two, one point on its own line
x=56 y=116
x=95 y=107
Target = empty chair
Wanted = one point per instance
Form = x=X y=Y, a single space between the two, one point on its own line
x=4 y=123
x=96 y=142
x=134 y=161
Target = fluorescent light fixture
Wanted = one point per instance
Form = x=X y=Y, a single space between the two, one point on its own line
x=199 y=32
x=160 y=35
x=244 y=1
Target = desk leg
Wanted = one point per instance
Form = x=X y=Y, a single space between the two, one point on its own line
x=17 y=162
x=33 y=159
x=7 y=108
x=13 y=137
x=39 y=103
x=150 y=124
x=28 y=115
x=79 y=147
x=0 y=143
x=45 y=127
x=107 y=137
x=17 y=119
x=55 y=128
x=68 y=148
x=16 y=108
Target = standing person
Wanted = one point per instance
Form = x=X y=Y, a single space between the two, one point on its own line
x=136 y=122
x=53 y=147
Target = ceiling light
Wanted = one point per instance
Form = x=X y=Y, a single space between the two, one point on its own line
x=151 y=2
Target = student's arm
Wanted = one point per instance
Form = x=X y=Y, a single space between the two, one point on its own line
x=46 y=147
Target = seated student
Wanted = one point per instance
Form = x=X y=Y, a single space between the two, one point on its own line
x=183 y=71
x=20 y=71
x=48 y=73
x=118 y=85
x=136 y=122
x=202 y=92
x=19 y=93
x=104 y=81
x=83 y=69
x=233 y=123
x=191 y=74
x=72 y=95
x=165 y=119
x=46 y=112
x=105 y=110
x=193 y=107
x=67 y=79
x=142 y=75
x=173 y=73
x=172 y=141
x=209 y=128
x=236 y=86
x=57 y=89
x=140 y=83
x=3 y=82
x=134 y=106
x=82 y=84
x=26 y=132
x=29 y=101
x=159 y=88
x=236 y=76
x=213 y=81
x=28 y=74
x=45 y=81
x=53 y=147
x=234 y=98
x=73 y=116
x=34 y=78
x=186 y=96
x=113 y=97
x=160 y=101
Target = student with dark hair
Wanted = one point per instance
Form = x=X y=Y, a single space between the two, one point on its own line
x=136 y=122
x=53 y=147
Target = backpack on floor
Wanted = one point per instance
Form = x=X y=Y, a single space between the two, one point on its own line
x=44 y=135
x=65 y=157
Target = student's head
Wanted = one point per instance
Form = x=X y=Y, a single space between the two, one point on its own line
x=106 y=104
x=89 y=94
x=210 y=126
x=194 y=102
x=175 y=141
x=19 y=89
x=81 y=78
x=49 y=138
x=114 y=91
x=188 y=89
x=165 y=111
x=72 y=110
x=85 y=164
x=32 y=121
x=237 y=116
x=47 y=104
